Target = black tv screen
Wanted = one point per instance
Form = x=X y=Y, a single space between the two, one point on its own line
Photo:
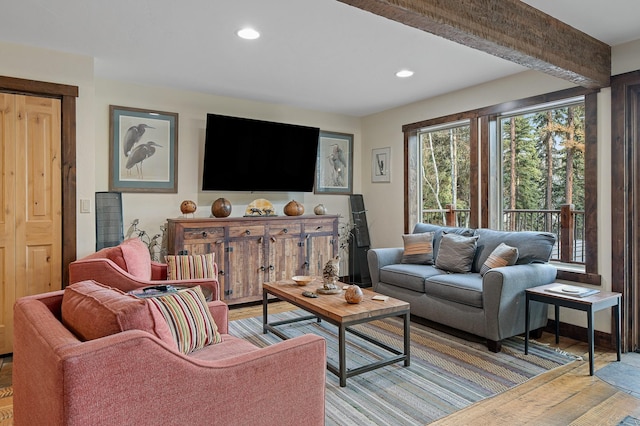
x=242 y=154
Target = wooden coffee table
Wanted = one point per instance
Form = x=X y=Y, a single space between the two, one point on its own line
x=334 y=309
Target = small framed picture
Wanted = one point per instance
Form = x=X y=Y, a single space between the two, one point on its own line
x=143 y=150
x=381 y=165
x=334 y=165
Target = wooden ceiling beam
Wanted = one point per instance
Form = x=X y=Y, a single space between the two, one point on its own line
x=509 y=29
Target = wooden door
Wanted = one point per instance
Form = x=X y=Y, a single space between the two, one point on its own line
x=31 y=195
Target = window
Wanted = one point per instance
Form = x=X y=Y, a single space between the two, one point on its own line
x=542 y=179
x=553 y=173
x=445 y=177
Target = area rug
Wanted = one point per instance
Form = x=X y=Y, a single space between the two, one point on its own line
x=447 y=373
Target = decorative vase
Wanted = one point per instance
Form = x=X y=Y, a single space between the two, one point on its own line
x=293 y=208
x=188 y=206
x=221 y=207
x=353 y=294
x=320 y=209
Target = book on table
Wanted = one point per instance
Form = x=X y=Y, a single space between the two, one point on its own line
x=571 y=290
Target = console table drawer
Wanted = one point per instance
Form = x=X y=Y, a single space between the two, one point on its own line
x=284 y=228
x=246 y=231
x=195 y=234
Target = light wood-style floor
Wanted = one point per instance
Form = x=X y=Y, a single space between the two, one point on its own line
x=563 y=396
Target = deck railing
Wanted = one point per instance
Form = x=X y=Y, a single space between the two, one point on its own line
x=566 y=224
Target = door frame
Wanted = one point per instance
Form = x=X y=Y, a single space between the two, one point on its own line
x=67 y=96
x=625 y=202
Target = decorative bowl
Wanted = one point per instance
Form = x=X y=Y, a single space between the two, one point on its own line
x=302 y=279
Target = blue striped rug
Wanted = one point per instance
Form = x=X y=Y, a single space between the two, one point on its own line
x=447 y=373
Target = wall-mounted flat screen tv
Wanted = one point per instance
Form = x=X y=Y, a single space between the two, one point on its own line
x=242 y=154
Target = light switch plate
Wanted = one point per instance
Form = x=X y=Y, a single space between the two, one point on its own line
x=85 y=206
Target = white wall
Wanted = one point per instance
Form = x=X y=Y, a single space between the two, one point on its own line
x=75 y=70
x=152 y=208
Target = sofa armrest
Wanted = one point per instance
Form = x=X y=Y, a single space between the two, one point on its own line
x=158 y=271
x=381 y=257
x=105 y=271
x=220 y=313
x=503 y=292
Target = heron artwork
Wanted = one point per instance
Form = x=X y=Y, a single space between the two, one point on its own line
x=133 y=136
x=139 y=154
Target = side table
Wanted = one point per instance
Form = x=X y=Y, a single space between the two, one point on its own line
x=588 y=304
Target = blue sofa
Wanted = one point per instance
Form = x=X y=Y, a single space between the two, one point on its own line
x=490 y=306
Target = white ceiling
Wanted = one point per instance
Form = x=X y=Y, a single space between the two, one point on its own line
x=317 y=54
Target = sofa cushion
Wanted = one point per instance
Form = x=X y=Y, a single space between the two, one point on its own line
x=532 y=246
x=189 y=267
x=189 y=319
x=229 y=347
x=91 y=310
x=460 y=288
x=136 y=256
x=503 y=255
x=418 y=248
x=456 y=253
x=438 y=232
x=409 y=276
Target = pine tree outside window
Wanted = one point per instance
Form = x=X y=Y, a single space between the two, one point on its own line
x=543 y=173
x=445 y=173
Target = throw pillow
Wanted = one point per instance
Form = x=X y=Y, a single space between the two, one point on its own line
x=189 y=319
x=503 y=255
x=91 y=310
x=191 y=266
x=418 y=248
x=456 y=253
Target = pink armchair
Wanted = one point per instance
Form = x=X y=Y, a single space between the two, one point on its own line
x=128 y=266
x=133 y=377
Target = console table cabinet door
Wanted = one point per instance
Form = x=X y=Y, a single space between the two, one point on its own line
x=205 y=240
x=247 y=266
x=320 y=244
x=286 y=258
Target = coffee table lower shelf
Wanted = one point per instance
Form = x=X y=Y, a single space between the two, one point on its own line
x=345 y=326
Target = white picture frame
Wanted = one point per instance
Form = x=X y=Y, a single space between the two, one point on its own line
x=381 y=165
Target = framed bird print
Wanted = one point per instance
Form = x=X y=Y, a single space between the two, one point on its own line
x=380 y=165
x=143 y=150
x=334 y=164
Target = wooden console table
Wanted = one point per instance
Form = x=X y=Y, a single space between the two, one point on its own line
x=588 y=304
x=252 y=250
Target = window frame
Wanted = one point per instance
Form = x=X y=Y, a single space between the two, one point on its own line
x=481 y=121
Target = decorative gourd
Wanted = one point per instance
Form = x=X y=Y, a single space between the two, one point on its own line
x=353 y=294
x=320 y=209
x=293 y=208
x=188 y=206
x=221 y=207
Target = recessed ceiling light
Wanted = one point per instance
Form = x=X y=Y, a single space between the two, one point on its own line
x=404 y=73
x=248 y=34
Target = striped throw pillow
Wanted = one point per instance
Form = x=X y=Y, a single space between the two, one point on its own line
x=189 y=319
x=191 y=266
x=418 y=248
x=503 y=255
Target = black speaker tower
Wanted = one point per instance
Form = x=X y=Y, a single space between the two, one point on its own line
x=109 y=222
x=359 y=243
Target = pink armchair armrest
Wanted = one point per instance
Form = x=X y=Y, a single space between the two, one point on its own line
x=106 y=271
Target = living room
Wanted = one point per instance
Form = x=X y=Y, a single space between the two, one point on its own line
x=384 y=201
